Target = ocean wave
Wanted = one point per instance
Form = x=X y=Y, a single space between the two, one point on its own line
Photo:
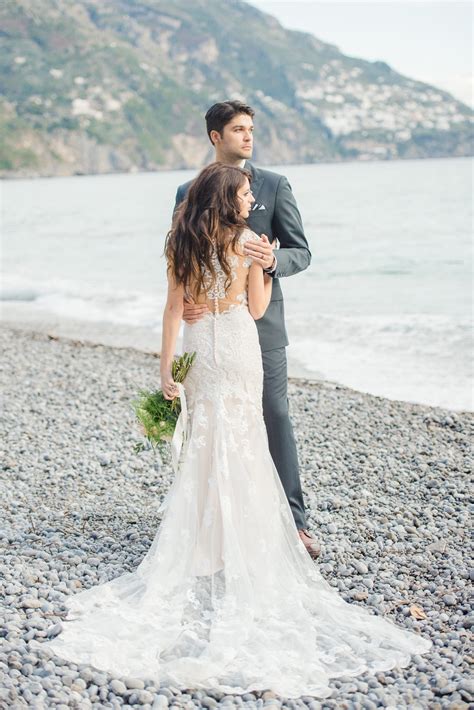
x=25 y=294
x=87 y=302
x=417 y=357
x=423 y=358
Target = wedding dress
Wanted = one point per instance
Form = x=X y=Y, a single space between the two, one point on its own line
x=227 y=596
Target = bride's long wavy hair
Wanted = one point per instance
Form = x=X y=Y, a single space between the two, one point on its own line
x=205 y=225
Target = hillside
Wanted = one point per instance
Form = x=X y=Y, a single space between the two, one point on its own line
x=91 y=86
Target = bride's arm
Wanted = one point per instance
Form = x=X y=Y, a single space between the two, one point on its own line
x=260 y=290
x=172 y=315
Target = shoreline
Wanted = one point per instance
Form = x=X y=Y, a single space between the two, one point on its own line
x=386 y=492
x=114 y=335
x=36 y=329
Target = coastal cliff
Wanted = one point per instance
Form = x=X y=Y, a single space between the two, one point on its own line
x=95 y=86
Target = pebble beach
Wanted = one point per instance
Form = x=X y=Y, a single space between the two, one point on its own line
x=386 y=486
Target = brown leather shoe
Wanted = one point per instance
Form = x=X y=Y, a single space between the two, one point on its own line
x=312 y=546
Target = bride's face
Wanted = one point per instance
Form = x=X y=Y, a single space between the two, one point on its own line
x=245 y=198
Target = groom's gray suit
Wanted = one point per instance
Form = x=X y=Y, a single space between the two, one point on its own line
x=276 y=214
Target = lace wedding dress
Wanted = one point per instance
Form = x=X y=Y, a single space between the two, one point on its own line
x=227 y=596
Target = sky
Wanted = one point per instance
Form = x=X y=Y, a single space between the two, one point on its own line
x=425 y=40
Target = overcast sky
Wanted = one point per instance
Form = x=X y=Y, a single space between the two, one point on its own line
x=426 y=40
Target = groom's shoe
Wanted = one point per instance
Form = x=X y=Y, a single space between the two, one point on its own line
x=312 y=546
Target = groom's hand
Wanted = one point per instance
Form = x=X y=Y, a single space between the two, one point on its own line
x=261 y=252
x=193 y=311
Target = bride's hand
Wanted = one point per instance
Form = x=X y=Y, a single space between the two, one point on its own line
x=168 y=386
x=261 y=251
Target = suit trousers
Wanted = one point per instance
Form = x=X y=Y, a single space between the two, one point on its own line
x=281 y=439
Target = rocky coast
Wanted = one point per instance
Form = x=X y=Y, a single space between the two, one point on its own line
x=386 y=487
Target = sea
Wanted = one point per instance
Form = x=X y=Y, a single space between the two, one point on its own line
x=384 y=308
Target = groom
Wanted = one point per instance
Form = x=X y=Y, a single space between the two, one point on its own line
x=274 y=213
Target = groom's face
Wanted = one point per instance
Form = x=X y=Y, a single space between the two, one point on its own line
x=236 y=142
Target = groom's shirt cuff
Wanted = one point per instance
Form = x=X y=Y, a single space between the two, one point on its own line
x=272 y=268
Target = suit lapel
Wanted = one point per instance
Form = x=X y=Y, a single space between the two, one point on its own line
x=257 y=179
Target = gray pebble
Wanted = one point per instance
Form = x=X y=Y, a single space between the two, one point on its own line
x=449 y=599
x=54 y=630
x=165 y=692
x=144 y=697
x=99 y=679
x=360 y=566
x=402 y=520
x=118 y=687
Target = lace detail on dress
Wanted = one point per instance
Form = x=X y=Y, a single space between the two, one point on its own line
x=215 y=288
x=219 y=299
x=227 y=596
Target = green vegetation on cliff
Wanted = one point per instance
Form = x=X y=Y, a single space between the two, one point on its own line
x=114 y=85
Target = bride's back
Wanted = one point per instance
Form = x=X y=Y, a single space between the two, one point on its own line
x=214 y=293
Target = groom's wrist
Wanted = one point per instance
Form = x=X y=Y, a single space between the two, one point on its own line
x=271 y=269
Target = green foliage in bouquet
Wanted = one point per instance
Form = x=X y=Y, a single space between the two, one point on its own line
x=157 y=415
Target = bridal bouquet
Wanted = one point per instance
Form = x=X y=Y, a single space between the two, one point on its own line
x=157 y=415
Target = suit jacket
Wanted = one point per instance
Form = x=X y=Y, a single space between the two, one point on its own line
x=275 y=214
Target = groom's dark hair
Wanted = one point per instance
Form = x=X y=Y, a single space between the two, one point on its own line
x=219 y=115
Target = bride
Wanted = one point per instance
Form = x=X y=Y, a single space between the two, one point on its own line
x=227 y=596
